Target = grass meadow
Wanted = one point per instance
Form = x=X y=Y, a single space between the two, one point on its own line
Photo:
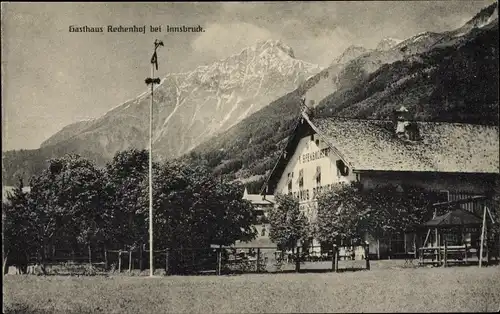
x=382 y=289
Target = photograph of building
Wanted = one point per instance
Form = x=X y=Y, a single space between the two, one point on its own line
x=455 y=160
x=261 y=204
x=277 y=156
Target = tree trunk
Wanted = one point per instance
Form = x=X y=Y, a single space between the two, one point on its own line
x=43 y=260
x=336 y=258
x=367 y=255
x=130 y=260
x=378 y=248
x=390 y=246
x=297 y=260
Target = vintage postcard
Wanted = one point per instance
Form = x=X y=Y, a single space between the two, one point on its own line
x=250 y=157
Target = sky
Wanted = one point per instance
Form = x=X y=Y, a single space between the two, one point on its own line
x=52 y=77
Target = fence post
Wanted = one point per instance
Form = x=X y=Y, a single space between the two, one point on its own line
x=120 y=261
x=415 y=245
x=336 y=259
x=219 y=260
x=258 y=260
x=367 y=255
x=333 y=257
x=378 y=248
x=105 y=257
x=130 y=260
x=466 y=254
x=445 y=253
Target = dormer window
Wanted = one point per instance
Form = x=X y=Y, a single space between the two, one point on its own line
x=342 y=169
x=404 y=127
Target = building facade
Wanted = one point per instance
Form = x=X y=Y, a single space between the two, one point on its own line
x=452 y=160
x=261 y=206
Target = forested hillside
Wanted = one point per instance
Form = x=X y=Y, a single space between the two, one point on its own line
x=455 y=80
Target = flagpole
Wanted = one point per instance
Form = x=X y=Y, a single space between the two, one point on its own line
x=152 y=80
x=151 y=247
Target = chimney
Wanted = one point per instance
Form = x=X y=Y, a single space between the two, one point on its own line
x=403 y=125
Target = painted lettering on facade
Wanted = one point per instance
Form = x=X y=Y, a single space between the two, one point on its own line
x=307 y=157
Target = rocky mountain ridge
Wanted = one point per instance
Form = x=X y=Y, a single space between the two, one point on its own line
x=191 y=107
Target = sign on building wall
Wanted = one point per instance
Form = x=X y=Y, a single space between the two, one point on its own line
x=307 y=157
x=311 y=170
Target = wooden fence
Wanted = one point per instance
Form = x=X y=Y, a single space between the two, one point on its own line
x=217 y=260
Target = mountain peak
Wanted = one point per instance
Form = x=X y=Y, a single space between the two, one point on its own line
x=387 y=43
x=271 y=44
x=351 y=52
x=485 y=16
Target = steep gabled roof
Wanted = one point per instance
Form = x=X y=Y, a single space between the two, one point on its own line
x=444 y=147
x=370 y=145
x=258 y=199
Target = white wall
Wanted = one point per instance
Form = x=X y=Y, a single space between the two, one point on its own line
x=307 y=156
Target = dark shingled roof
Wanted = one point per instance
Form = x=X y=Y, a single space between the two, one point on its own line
x=458 y=217
x=444 y=147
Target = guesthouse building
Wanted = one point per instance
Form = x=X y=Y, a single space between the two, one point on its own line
x=453 y=160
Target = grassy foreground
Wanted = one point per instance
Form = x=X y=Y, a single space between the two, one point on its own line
x=454 y=289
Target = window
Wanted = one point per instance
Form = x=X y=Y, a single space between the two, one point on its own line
x=263 y=232
x=290 y=176
x=301 y=178
x=312 y=137
x=317 y=142
x=318 y=175
x=342 y=169
x=444 y=195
